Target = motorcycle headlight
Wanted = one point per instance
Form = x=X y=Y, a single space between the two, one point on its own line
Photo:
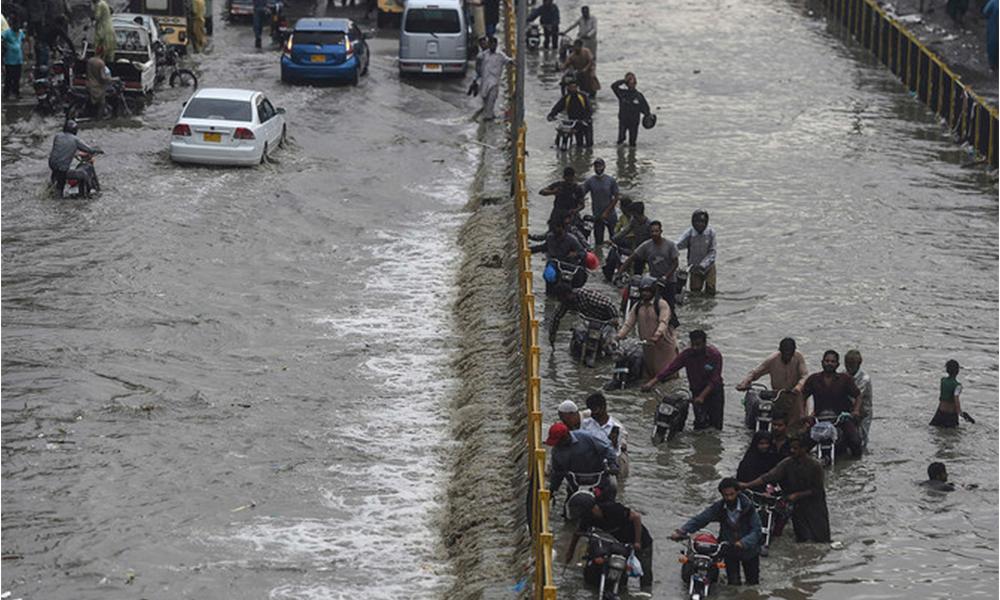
x=616 y=562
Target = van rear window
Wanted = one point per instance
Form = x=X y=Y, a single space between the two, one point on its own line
x=432 y=20
x=217 y=108
x=318 y=38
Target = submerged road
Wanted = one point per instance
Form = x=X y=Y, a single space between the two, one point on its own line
x=845 y=219
x=233 y=383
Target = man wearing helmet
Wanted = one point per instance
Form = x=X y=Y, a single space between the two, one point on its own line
x=652 y=315
x=64 y=147
x=699 y=239
x=618 y=520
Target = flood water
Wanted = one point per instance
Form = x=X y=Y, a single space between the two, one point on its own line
x=845 y=218
x=234 y=383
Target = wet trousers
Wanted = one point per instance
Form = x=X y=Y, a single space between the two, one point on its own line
x=709 y=413
x=751 y=569
x=259 y=16
x=551 y=33
x=489 y=102
x=699 y=280
x=629 y=127
x=600 y=225
x=12 y=81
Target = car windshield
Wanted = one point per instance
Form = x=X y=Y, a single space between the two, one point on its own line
x=318 y=38
x=432 y=20
x=216 y=108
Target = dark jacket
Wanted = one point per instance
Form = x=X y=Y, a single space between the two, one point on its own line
x=576 y=106
x=631 y=103
x=549 y=14
x=746 y=529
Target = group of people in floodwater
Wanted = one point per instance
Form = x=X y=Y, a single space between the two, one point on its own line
x=777 y=461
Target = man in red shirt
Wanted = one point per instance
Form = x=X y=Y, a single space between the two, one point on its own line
x=703 y=365
x=835 y=393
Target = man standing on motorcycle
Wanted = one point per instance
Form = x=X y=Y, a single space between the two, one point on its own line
x=632 y=106
x=661 y=256
x=702 y=363
x=739 y=526
x=652 y=315
x=836 y=393
x=587 y=36
x=699 y=239
x=577 y=106
x=549 y=14
x=590 y=304
x=65 y=145
x=621 y=522
x=603 y=190
x=801 y=480
x=787 y=369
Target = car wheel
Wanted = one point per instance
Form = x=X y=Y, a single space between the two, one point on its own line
x=368 y=60
x=263 y=154
x=356 y=78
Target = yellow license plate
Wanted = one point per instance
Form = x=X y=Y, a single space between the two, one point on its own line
x=213 y=137
x=317 y=58
x=432 y=68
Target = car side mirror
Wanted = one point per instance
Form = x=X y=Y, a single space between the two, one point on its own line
x=280 y=110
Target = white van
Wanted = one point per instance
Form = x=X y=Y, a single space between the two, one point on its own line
x=433 y=37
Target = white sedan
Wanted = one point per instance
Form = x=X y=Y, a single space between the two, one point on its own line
x=227 y=127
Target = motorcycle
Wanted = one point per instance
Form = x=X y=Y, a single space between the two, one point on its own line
x=80 y=108
x=614 y=259
x=81 y=180
x=573 y=275
x=773 y=512
x=758 y=404
x=598 y=485
x=605 y=563
x=591 y=340
x=168 y=68
x=533 y=36
x=826 y=433
x=671 y=414
x=701 y=563
x=630 y=291
x=565 y=133
x=48 y=101
x=628 y=360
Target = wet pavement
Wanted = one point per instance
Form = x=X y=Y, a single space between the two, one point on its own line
x=234 y=382
x=846 y=218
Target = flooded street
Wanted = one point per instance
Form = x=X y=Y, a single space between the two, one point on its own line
x=238 y=383
x=845 y=219
x=234 y=382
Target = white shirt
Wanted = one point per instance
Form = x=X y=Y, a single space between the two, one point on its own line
x=594 y=428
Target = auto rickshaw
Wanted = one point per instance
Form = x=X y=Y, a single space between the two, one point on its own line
x=389 y=11
x=172 y=17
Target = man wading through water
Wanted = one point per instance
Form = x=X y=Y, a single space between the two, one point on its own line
x=632 y=106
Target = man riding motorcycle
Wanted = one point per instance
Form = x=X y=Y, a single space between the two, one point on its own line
x=65 y=145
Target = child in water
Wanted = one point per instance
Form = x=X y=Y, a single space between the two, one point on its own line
x=949 y=403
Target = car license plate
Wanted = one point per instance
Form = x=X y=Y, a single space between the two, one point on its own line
x=432 y=68
x=318 y=58
x=213 y=137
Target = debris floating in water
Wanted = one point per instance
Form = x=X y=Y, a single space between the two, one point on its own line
x=245 y=506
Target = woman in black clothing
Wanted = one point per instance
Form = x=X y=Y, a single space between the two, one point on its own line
x=758 y=458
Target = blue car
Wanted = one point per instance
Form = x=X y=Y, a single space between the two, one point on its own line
x=325 y=50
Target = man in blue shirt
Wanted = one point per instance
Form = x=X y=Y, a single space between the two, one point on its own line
x=578 y=452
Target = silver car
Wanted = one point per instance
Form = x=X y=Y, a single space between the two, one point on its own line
x=433 y=38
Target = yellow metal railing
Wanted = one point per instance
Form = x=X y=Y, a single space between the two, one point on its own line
x=927 y=76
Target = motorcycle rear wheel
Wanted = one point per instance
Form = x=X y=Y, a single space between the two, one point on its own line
x=183 y=78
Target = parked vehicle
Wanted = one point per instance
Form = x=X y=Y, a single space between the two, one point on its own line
x=51 y=91
x=389 y=11
x=168 y=68
x=671 y=414
x=147 y=22
x=134 y=63
x=701 y=563
x=227 y=127
x=325 y=50
x=434 y=38
x=79 y=108
x=172 y=18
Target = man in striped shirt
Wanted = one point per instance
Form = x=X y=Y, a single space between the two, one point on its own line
x=588 y=303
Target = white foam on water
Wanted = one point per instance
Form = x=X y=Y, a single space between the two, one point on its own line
x=376 y=533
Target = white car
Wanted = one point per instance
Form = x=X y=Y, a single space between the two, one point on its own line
x=227 y=127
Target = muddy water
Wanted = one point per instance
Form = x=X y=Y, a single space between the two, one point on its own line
x=845 y=218
x=235 y=383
